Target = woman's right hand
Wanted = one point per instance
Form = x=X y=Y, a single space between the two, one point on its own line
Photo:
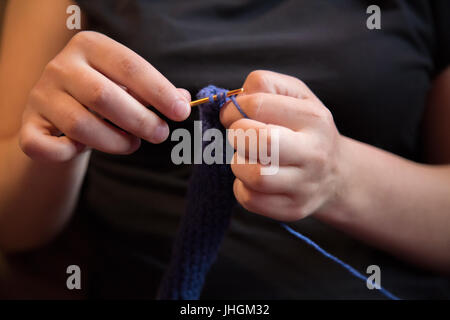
x=95 y=73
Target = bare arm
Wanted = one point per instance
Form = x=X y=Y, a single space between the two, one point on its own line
x=36 y=199
x=397 y=205
x=50 y=81
x=394 y=204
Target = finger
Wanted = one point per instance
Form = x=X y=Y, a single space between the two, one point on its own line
x=37 y=141
x=293 y=113
x=276 y=83
x=182 y=91
x=107 y=99
x=127 y=68
x=274 y=206
x=76 y=122
x=283 y=182
x=262 y=142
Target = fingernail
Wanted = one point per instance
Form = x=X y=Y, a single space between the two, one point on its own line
x=181 y=109
x=161 y=133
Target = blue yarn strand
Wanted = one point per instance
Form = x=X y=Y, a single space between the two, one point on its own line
x=233 y=98
x=346 y=266
x=207 y=217
x=210 y=202
x=308 y=241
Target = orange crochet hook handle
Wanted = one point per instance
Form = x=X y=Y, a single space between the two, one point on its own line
x=205 y=100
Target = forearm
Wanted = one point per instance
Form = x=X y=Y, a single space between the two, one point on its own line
x=397 y=205
x=36 y=199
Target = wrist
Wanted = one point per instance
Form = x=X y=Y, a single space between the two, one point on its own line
x=344 y=187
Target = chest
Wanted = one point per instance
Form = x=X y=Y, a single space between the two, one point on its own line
x=374 y=81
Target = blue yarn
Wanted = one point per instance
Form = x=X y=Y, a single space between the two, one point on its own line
x=233 y=98
x=208 y=211
x=208 y=214
x=349 y=268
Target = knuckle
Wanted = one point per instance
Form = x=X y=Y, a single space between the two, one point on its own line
x=160 y=90
x=297 y=209
x=327 y=116
x=35 y=96
x=304 y=92
x=55 y=67
x=84 y=37
x=100 y=93
x=129 y=68
x=27 y=142
x=316 y=112
x=144 y=125
x=320 y=158
x=76 y=124
x=300 y=83
x=39 y=100
x=298 y=213
x=259 y=80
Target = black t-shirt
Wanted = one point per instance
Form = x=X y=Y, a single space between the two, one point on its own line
x=375 y=83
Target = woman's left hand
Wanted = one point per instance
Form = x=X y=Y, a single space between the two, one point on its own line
x=309 y=175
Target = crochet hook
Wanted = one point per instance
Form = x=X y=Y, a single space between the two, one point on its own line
x=205 y=100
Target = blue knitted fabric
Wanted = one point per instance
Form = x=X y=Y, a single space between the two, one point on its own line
x=210 y=202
